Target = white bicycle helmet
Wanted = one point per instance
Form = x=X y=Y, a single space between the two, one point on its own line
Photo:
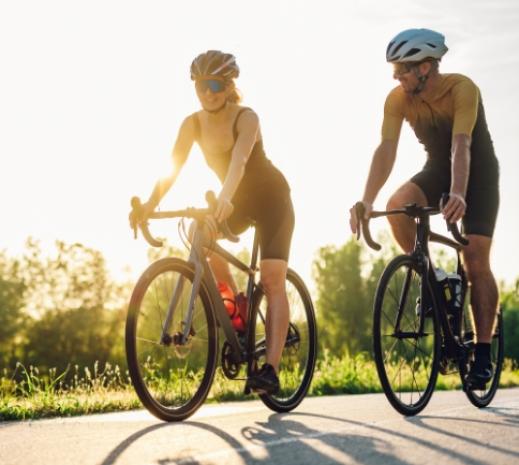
x=414 y=45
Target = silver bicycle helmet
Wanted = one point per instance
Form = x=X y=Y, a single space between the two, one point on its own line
x=414 y=45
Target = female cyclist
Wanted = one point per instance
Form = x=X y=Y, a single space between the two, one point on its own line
x=253 y=189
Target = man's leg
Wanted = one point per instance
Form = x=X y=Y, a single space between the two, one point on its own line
x=484 y=295
x=484 y=299
x=404 y=228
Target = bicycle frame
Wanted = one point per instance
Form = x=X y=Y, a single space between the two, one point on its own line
x=197 y=258
x=430 y=286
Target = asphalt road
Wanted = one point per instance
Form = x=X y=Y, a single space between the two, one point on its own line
x=361 y=429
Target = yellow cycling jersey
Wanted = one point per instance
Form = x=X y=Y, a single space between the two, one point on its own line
x=455 y=102
x=454 y=108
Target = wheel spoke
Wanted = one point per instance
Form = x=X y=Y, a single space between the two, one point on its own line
x=171 y=379
x=405 y=364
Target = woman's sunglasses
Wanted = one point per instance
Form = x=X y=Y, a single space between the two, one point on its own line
x=214 y=85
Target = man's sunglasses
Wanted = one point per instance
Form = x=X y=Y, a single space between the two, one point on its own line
x=400 y=69
x=214 y=85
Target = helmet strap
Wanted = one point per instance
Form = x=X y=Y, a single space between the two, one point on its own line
x=422 y=79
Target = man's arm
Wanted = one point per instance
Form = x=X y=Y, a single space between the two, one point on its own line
x=466 y=99
x=455 y=208
x=381 y=167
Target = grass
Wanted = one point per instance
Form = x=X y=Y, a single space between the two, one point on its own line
x=35 y=395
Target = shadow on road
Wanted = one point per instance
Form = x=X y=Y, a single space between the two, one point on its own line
x=458 y=424
x=263 y=443
x=114 y=454
x=432 y=445
x=287 y=438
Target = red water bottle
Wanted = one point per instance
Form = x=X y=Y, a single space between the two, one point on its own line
x=234 y=311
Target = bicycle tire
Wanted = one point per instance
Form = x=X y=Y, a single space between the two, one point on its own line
x=482 y=397
x=299 y=355
x=392 y=348
x=172 y=381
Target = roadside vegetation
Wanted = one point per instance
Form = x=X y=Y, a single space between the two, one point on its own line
x=99 y=391
x=62 y=324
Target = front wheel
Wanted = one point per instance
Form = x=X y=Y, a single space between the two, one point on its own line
x=171 y=377
x=406 y=338
x=298 y=358
x=482 y=397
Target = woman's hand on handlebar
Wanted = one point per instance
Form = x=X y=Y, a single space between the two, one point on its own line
x=354 y=221
x=223 y=209
x=140 y=213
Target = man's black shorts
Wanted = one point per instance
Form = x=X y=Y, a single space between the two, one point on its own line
x=482 y=198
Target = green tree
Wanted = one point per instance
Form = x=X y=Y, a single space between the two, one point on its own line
x=343 y=314
x=12 y=290
x=78 y=311
x=510 y=306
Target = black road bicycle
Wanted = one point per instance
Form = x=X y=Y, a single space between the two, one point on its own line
x=422 y=325
x=176 y=314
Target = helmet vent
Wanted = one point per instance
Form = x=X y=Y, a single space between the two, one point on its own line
x=431 y=45
x=412 y=52
x=389 y=46
x=400 y=45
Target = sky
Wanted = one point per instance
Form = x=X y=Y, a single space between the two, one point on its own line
x=92 y=95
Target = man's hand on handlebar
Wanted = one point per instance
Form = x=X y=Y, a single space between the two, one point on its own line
x=454 y=209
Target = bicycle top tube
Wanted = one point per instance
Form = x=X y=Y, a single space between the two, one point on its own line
x=412 y=211
x=198 y=214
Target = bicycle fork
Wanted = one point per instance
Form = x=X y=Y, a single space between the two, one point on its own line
x=186 y=324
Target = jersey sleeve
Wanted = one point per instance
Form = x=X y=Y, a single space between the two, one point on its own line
x=393 y=117
x=466 y=100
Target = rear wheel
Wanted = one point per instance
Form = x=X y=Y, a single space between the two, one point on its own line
x=405 y=338
x=298 y=358
x=482 y=397
x=172 y=378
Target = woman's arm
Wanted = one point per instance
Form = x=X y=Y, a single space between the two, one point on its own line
x=248 y=128
x=181 y=149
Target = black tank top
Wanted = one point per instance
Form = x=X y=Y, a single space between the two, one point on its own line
x=259 y=174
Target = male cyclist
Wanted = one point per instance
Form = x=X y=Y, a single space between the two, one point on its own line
x=446 y=113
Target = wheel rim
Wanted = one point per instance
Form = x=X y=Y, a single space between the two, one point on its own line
x=172 y=375
x=407 y=349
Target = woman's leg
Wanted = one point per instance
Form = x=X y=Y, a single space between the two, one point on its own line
x=273 y=276
x=222 y=271
x=219 y=266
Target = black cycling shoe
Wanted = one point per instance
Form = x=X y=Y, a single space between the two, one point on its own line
x=480 y=374
x=264 y=381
